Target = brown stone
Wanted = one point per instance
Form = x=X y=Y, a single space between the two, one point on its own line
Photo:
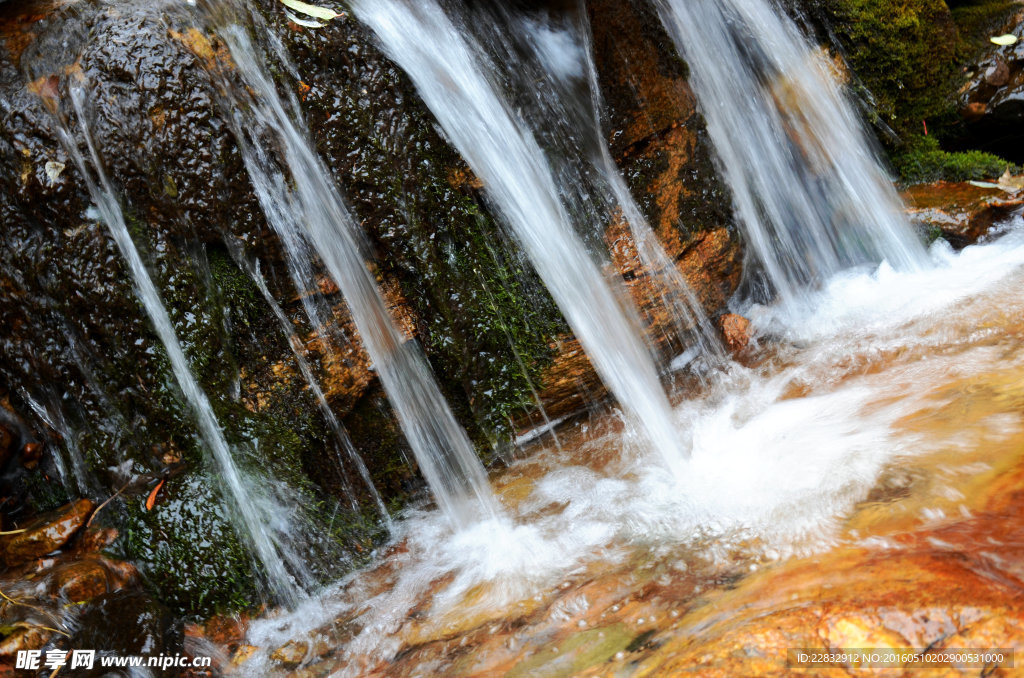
x=45 y=534
x=974 y=111
x=291 y=654
x=961 y=211
x=96 y=539
x=657 y=138
x=25 y=638
x=82 y=580
x=6 y=442
x=31 y=453
x=735 y=330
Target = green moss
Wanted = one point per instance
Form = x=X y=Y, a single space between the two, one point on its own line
x=187 y=551
x=923 y=160
x=979 y=19
x=44 y=493
x=904 y=53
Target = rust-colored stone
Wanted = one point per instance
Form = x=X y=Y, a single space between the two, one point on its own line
x=735 y=330
x=344 y=366
x=27 y=638
x=961 y=211
x=291 y=654
x=31 y=453
x=95 y=539
x=47 y=533
x=82 y=580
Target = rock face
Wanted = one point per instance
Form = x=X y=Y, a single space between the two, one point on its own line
x=79 y=346
x=991 y=102
x=659 y=142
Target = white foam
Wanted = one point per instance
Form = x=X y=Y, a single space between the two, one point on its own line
x=768 y=471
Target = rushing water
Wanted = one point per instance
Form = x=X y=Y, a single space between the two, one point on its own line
x=546 y=61
x=306 y=209
x=341 y=436
x=880 y=382
x=809 y=193
x=451 y=74
x=262 y=520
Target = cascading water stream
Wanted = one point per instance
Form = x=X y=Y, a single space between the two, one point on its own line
x=808 y=191
x=340 y=434
x=449 y=72
x=304 y=206
x=261 y=520
x=565 y=54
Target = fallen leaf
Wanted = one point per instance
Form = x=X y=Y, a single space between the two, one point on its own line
x=53 y=170
x=151 y=499
x=308 y=23
x=1004 y=40
x=314 y=11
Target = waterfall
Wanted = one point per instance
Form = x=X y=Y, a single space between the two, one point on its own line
x=259 y=517
x=341 y=436
x=808 y=191
x=451 y=74
x=564 y=51
x=305 y=209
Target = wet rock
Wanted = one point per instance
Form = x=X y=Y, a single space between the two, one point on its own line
x=660 y=144
x=27 y=638
x=95 y=539
x=291 y=654
x=45 y=534
x=91 y=577
x=991 y=102
x=735 y=330
x=959 y=212
x=31 y=453
x=126 y=623
x=6 y=441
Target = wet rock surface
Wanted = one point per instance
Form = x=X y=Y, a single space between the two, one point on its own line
x=930 y=558
x=658 y=140
x=991 y=102
x=960 y=213
x=45 y=534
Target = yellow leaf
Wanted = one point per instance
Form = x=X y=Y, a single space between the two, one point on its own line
x=314 y=11
x=1004 y=40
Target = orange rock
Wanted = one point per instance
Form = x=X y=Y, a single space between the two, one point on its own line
x=45 y=534
x=82 y=580
x=27 y=638
x=961 y=211
x=736 y=331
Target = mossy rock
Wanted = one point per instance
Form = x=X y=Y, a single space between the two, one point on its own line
x=904 y=54
x=922 y=160
x=187 y=551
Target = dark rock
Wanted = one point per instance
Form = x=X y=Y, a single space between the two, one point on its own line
x=6 y=441
x=45 y=534
x=126 y=623
x=991 y=102
x=31 y=453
